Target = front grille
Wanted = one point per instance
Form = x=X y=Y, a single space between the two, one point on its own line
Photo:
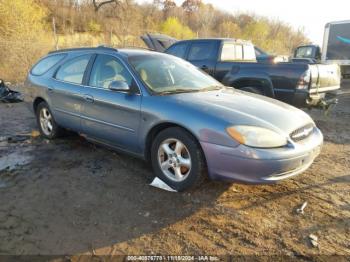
x=302 y=133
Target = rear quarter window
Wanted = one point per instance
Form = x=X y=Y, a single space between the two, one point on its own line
x=46 y=64
x=73 y=70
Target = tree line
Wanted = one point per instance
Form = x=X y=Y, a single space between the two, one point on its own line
x=28 y=28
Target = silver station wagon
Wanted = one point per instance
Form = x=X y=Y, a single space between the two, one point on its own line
x=164 y=110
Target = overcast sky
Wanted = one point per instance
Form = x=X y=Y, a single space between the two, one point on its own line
x=312 y=15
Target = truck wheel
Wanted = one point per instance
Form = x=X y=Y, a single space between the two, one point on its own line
x=177 y=159
x=47 y=125
x=252 y=90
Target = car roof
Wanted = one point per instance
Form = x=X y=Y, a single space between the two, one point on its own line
x=77 y=49
x=239 y=41
x=309 y=45
x=122 y=51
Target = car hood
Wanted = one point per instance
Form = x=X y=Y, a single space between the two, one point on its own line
x=243 y=108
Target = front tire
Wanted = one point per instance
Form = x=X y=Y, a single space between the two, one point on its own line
x=46 y=123
x=177 y=159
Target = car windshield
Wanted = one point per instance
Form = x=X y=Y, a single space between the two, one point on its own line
x=165 y=74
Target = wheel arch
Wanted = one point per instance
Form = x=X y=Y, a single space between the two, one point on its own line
x=156 y=129
x=37 y=101
x=263 y=84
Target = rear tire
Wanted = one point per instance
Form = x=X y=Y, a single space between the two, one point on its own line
x=253 y=90
x=177 y=159
x=46 y=122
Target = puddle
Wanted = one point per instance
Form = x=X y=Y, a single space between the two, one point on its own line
x=3 y=184
x=3 y=141
x=13 y=160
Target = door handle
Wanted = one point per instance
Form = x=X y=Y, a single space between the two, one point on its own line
x=204 y=67
x=89 y=98
x=50 y=89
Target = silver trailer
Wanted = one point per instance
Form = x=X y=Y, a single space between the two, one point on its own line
x=336 y=48
x=336 y=45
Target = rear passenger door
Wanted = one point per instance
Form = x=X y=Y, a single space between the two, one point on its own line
x=203 y=54
x=65 y=92
x=111 y=116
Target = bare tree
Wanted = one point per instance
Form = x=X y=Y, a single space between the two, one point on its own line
x=55 y=37
x=191 y=6
x=98 y=4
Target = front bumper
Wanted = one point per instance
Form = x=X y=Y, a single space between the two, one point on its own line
x=261 y=166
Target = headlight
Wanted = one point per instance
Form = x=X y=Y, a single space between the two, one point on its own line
x=255 y=136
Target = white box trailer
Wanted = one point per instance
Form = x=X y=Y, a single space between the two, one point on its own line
x=336 y=45
x=335 y=50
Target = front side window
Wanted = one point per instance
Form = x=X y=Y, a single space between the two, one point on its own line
x=201 y=51
x=73 y=70
x=46 y=63
x=168 y=74
x=107 y=69
x=178 y=50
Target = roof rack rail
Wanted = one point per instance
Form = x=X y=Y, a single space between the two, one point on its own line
x=107 y=47
x=83 y=48
x=137 y=47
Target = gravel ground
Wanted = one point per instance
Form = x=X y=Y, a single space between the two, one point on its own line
x=71 y=197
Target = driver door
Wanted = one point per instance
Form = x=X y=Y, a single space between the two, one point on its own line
x=111 y=117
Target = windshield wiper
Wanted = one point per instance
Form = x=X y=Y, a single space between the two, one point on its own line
x=189 y=90
x=177 y=91
x=211 y=88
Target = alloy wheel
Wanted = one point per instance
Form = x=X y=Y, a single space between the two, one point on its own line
x=174 y=159
x=46 y=121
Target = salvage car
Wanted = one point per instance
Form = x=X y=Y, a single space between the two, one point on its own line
x=164 y=110
x=233 y=62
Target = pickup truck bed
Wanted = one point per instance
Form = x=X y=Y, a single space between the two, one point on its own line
x=282 y=81
x=233 y=62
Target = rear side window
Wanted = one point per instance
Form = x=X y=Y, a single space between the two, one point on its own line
x=228 y=52
x=178 y=50
x=231 y=52
x=73 y=70
x=249 y=52
x=202 y=51
x=239 y=52
x=46 y=63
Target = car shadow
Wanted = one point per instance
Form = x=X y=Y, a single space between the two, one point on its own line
x=280 y=191
x=75 y=197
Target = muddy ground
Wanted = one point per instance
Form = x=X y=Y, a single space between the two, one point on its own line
x=69 y=196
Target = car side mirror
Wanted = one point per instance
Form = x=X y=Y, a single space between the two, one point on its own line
x=119 y=86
